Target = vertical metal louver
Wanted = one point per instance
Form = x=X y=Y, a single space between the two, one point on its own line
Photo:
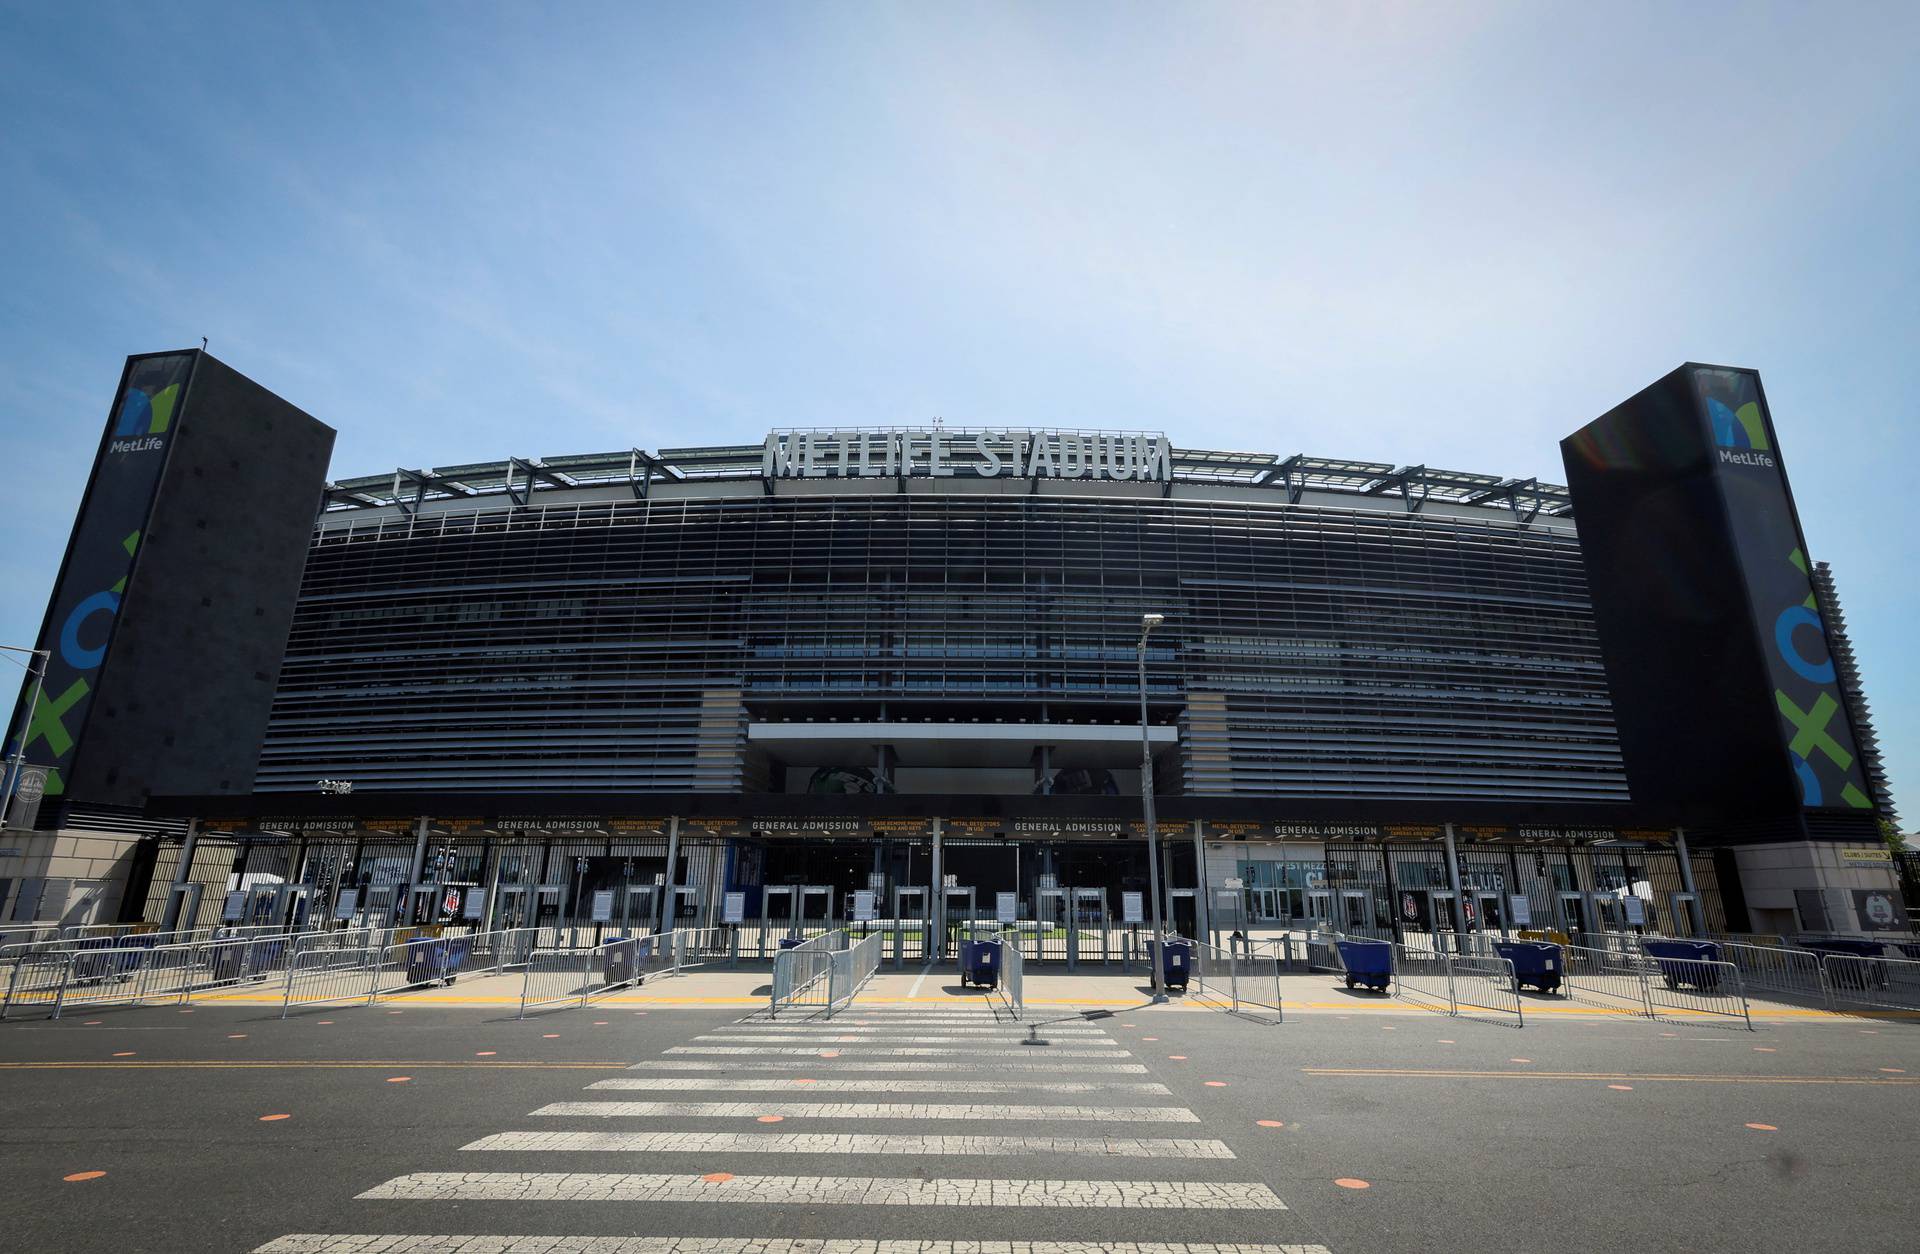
x=1847 y=669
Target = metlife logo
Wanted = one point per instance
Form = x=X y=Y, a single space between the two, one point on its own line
x=1737 y=457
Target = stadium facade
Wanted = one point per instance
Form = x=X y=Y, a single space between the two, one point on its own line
x=896 y=673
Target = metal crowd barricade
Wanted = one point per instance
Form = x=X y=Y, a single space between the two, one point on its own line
x=1780 y=971
x=1420 y=975
x=1485 y=984
x=851 y=969
x=1697 y=986
x=32 y=984
x=803 y=975
x=1011 y=989
x=1239 y=977
x=696 y=947
x=334 y=973
x=1462 y=983
x=559 y=975
x=1890 y=983
x=1604 y=978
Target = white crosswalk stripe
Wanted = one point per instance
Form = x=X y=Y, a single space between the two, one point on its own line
x=867 y=1110
x=981 y=1070
x=903 y=1051
x=410 y=1243
x=826 y=1040
x=731 y=1190
x=950 y=1084
x=848 y=1143
x=813 y=1064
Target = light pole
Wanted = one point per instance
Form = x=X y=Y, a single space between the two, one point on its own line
x=12 y=780
x=1147 y=623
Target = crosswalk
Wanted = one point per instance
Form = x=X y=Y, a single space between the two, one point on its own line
x=897 y=1085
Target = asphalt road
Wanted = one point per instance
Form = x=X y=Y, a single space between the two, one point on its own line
x=1570 y=1134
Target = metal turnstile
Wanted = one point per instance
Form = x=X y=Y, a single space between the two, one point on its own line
x=1356 y=912
x=639 y=906
x=1183 y=913
x=800 y=911
x=1686 y=915
x=1489 y=912
x=961 y=915
x=911 y=922
x=1088 y=932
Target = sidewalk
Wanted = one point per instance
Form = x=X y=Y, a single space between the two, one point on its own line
x=1316 y=994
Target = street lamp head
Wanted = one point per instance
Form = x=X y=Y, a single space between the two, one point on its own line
x=1149 y=621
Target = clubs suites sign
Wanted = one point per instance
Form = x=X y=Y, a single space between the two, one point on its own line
x=1126 y=456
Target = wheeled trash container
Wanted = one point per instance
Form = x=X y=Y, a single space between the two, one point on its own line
x=426 y=961
x=1368 y=962
x=1686 y=963
x=619 y=961
x=1853 y=968
x=1536 y=964
x=1176 y=963
x=979 y=964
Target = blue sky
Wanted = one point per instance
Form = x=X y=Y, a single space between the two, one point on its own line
x=1420 y=234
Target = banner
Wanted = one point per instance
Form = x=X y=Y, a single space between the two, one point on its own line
x=100 y=554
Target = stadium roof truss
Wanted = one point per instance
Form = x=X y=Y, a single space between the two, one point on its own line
x=522 y=479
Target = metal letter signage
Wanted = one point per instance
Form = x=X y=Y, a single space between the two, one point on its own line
x=941 y=453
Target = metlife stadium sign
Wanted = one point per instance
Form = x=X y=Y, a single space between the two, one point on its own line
x=942 y=453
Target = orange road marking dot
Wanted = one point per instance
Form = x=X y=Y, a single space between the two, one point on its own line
x=1669 y=1034
x=639 y=1012
x=83 y=1175
x=127 y=1054
x=398 y=1079
x=1348 y=1182
x=1389 y=1029
x=91 y=1023
x=1445 y=1041
x=1270 y=1123
x=829 y=1053
x=396 y=1012
x=599 y=1023
x=1869 y=1031
x=717 y=1177
x=1216 y=1084
x=323 y=1022
x=1894 y=1070
x=486 y=1053
x=187 y=1011
x=1149 y=1038
x=806 y=1081
x=1519 y=1060
x=1624 y=1088
x=273 y=1118
x=549 y=1036
x=1763 y=1049
x=1763 y=1127
x=236 y=1036
x=771 y=1119
x=1177 y=1057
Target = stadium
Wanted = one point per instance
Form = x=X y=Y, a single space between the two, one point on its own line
x=915 y=676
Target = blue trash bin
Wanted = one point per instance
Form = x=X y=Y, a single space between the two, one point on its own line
x=1176 y=963
x=1368 y=963
x=426 y=961
x=1686 y=963
x=619 y=961
x=1851 y=974
x=1538 y=964
x=979 y=964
